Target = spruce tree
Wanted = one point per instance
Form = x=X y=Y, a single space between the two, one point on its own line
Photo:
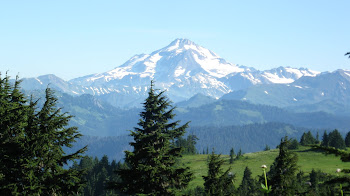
x=282 y=173
x=152 y=168
x=218 y=182
x=31 y=145
x=325 y=139
x=13 y=109
x=232 y=155
x=347 y=139
x=307 y=139
x=335 y=139
x=47 y=133
x=249 y=185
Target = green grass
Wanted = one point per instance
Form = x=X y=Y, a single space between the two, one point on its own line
x=307 y=160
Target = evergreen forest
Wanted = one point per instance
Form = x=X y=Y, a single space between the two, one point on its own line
x=38 y=158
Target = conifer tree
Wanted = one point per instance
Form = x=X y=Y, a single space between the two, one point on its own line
x=13 y=111
x=317 y=138
x=232 y=155
x=307 y=139
x=31 y=146
x=267 y=147
x=248 y=186
x=325 y=139
x=47 y=134
x=336 y=140
x=239 y=154
x=218 y=182
x=282 y=173
x=347 y=139
x=314 y=182
x=152 y=167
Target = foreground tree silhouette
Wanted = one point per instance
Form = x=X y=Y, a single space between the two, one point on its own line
x=31 y=145
x=152 y=164
x=13 y=111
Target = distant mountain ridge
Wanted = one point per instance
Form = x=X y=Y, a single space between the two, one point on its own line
x=332 y=89
x=183 y=68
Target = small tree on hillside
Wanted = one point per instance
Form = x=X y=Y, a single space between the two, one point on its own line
x=335 y=139
x=307 y=139
x=325 y=140
x=248 y=186
x=282 y=173
x=232 y=155
x=152 y=167
x=218 y=182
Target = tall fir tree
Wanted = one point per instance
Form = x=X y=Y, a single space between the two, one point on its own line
x=13 y=110
x=48 y=134
x=218 y=182
x=282 y=173
x=152 y=168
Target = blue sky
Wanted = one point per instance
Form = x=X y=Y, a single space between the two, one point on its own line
x=76 y=38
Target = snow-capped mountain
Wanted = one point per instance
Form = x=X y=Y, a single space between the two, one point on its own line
x=184 y=69
x=326 y=91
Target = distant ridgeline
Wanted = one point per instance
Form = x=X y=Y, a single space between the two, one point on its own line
x=249 y=138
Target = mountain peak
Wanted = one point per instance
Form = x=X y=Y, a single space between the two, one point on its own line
x=181 y=44
x=182 y=41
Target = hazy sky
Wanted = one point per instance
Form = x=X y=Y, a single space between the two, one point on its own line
x=77 y=38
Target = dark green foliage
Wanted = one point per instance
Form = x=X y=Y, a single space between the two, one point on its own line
x=239 y=154
x=317 y=138
x=267 y=147
x=198 y=191
x=325 y=140
x=333 y=139
x=335 y=181
x=188 y=145
x=307 y=139
x=302 y=184
x=336 y=140
x=218 y=182
x=282 y=173
x=232 y=155
x=347 y=139
x=97 y=174
x=13 y=119
x=31 y=146
x=48 y=136
x=152 y=165
x=315 y=182
x=251 y=138
x=249 y=186
x=293 y=145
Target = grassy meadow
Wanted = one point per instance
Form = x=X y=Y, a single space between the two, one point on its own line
x=308 y=159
